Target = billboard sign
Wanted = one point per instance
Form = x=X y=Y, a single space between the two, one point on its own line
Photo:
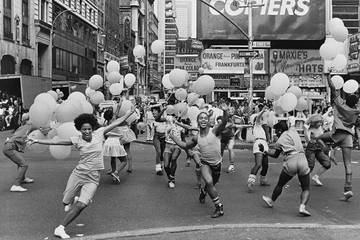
x=218 y=61
x=275 y=20
x=354 y=61
x=189 y=63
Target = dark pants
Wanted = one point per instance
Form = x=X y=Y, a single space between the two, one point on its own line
x=10 y=151
x=159 y=145
x=316 y=151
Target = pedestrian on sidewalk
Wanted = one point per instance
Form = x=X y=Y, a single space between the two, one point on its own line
x=295 y=163
x=85 y=177
x=12 y=149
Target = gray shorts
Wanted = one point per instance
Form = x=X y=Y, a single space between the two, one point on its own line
x=85 y=184
x=296 y=165
x=342 y=139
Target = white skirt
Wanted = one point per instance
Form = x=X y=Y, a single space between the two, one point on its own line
x=113 y=148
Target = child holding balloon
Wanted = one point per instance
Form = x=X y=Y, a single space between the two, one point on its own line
x=86 y=176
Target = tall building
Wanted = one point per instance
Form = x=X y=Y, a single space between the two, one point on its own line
x=100 y=37
x=74 y=52
x=349 y=12
x=185 y=18
x=112 y=31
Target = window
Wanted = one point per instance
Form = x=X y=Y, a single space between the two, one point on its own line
x=90 y=14
x=25 y=8
x=75 y=64
x=25 y=34
x=85 y=10
x=80 y=6
x=7 y=4
x=58 y=59
x=7 y=19
x=43 y=11
x=25 y=22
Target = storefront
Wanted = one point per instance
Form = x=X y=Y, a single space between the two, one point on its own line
x=228 y=69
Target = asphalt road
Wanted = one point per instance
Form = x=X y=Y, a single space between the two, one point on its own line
x=143 y=201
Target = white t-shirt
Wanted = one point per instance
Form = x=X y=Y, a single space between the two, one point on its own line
x=91 y=153
x=259 y=132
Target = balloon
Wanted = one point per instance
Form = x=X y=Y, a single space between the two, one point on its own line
x=340 y=33
x=200 y=103
x=337 y=81
x=170 y=109
x=40 y=114
x=141 y=126
x=296 y=91
x=301 y=104
x=180 y=94
x=38 y=148
x=67 y=112
x=271 y=119
x=329 y=49
x=192 y=98
x=157 y=46
x=129 y=79
x=47 y=99
x=139 y=51
x=114 y=77
x=339 y=62
x=166 y=82
x=288 y=102
x=277 y=106
x=340 y=47
x=333 y=23
x=77 y=96
x=89 y=91
x=279 y=83
x=67 y=130
x=269 y=94
x=350 y=86
x=116 y=89
x=87 y=107
x=125 y=106
x=204 y=85
x=59 y=152
x=112 y=66
x=181 y=109
x=97 y=98
x=193 y=112
x=201 y=70
x=96 y=82
x=53 y=94
x=178 y=77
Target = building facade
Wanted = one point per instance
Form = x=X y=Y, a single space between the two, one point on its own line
x=171 y=35
x=349 y=12
x=101 y=37
x=74 y=43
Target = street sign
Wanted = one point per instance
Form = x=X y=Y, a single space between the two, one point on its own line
x=249 y=54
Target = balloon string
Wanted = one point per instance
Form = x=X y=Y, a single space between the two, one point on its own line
x=169 y=97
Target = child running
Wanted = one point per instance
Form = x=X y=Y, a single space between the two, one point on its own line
x=208 y=141
x=295 y=163
x=85 y=177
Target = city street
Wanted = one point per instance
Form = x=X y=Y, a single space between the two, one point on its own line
x=142 y=206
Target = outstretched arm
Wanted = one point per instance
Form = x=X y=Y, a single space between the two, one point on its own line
x=334 y=93
x=187 y=127
x=119 y=121
x=274 y=153
x=65 y=142
x=224 y=120
x=184 y=144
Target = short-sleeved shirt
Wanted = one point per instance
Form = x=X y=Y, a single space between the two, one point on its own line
x=91 y=153
x=344 y=116
x=175 y=131
x=20 y=136
x=290 y=141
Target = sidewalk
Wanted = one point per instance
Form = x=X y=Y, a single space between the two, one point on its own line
x=238 y=144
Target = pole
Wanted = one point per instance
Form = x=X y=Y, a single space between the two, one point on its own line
x=250 y=48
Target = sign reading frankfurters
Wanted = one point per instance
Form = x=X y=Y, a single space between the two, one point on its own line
x=230 y=61
x=274 y=20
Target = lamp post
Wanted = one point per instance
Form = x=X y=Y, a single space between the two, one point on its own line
x=249 y=36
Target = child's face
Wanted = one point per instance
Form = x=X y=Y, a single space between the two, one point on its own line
x=219 y=121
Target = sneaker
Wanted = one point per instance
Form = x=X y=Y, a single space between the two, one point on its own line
x=316 y=180
x=250 y=186
x=188 y=162
x=202 y=195
x=60 y=232
x=115 y=177
x=158 y=170
x=28 y=180
x=347 y=195
x=268 y=201
x=303 y=211
x=219 y=211
x=231 y=168
x=171 y=185
x=15 y=188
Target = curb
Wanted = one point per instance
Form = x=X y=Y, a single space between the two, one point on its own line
x=159 y=231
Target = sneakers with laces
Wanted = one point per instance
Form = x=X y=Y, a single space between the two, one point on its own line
x=202 y=195
x=158 y=170
x=303 y=211
x=268 y=201
x=171 y=184
x=60 y=232
x=28 y=180
x=15 y=188
x=347 y=196
x=316 y=180
x=231 y=168
x=219 y=211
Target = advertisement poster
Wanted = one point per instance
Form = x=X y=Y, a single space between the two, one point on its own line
x=274 y=20
x=229 y=61
x=354 y=61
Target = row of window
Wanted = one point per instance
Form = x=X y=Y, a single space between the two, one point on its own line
x=7 y=22
x=82 y=8
x=70 y=62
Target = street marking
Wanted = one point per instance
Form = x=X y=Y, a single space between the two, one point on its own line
x=158 y=231
x=80 y=225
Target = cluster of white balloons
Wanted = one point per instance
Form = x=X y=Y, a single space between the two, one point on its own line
x=115 y=81
x=157 y=46
x=285 y=98
x=333 y=49
x=350 y=86
x=45 y=111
